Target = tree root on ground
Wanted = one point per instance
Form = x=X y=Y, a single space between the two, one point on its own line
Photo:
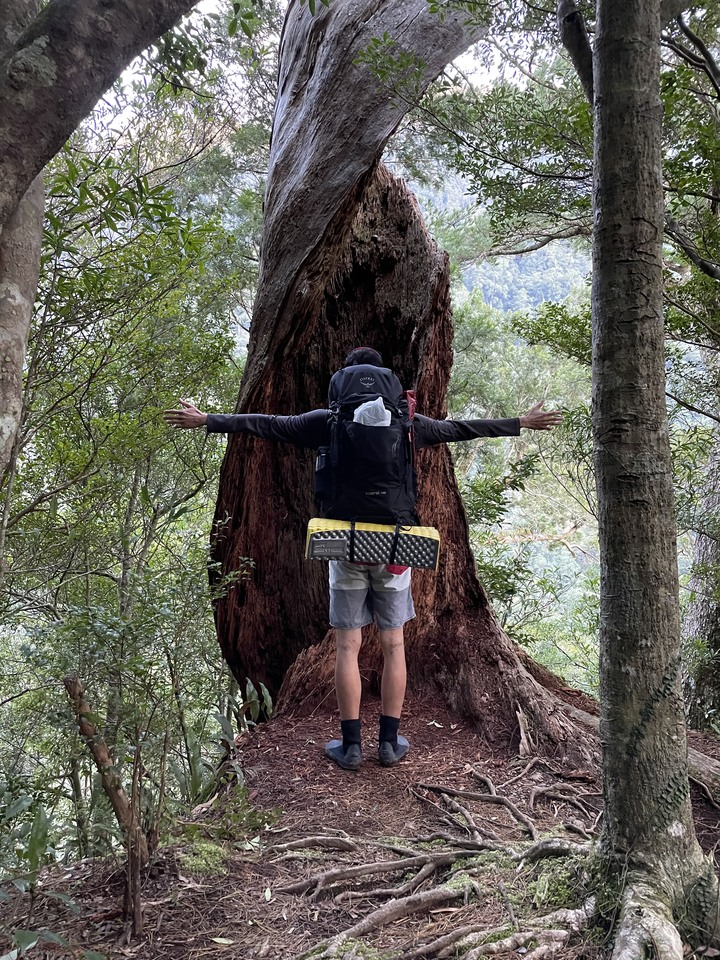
x=326 y=879
x=485 y=798
x=548 y=934
x=552 y=847
x=540 y=937
x=394 y=910
x=646 y=926
x=469 y=869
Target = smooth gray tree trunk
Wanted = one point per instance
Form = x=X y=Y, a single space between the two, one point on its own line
x=648 y=827
x=20 y=244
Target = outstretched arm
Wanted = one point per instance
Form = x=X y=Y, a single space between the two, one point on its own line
x=186 y=419
x=430 y=432
x=538 y=419
x=304 y=430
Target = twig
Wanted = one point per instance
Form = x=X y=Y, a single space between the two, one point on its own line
x=486 y=780
x=703 y=787
x=508 y=905
x=447 y=940
x=486 y=798
x=556 y=792
x=412 y=884
x=477 y=832
x=448 y=818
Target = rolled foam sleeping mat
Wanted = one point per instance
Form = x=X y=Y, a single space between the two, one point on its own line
x=372 y=543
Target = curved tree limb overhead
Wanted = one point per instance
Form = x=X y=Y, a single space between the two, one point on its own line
x=333 y=117
x=576 y=41
x=575 y=38
x=58 y=69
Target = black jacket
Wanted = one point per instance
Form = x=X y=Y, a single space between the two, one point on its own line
x=312 y=429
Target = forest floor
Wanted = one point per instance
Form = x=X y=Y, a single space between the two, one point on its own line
x=381 y=863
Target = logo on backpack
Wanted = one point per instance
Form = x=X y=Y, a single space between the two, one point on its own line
x=368 y=472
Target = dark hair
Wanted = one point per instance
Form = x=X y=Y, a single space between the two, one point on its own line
x=363 y=355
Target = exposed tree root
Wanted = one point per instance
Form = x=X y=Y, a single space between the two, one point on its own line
x=465 y=871
x=486 y=798
x=326 y=843
x=561 y=792
x=492 y=842
x=540 y=937
x=553 y=847
x=646 y=926
x=326 y=879
x=548 y=934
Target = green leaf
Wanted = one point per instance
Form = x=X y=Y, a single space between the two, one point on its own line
x=26 y=939
x=227 y=727
x=49 y=937
x=267 y=700
x=17 y=807
x=38 y=844
x=252 y=701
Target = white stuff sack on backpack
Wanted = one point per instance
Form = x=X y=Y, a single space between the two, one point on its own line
x=373 y=413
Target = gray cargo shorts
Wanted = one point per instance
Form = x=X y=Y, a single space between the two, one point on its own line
x=361 y=593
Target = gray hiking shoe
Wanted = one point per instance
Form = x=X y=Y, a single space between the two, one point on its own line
x=349 y=759
x=389 y=755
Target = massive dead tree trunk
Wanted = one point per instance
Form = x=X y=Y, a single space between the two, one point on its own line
x=346 y=261
x=648 y=823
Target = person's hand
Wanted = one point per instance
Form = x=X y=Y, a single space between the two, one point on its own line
x=186 y=419
x=539 y=419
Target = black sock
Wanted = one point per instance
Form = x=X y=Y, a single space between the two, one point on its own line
x=389 y=729
x=350 y=732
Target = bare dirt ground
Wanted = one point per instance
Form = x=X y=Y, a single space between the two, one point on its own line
x=385 y=863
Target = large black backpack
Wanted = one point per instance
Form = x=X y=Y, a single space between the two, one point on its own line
x=368 y=472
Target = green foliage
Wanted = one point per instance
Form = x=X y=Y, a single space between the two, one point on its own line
x=26 y=843
x=235 y=822
x=559 y=883
x=203 y=859
x=149 y=262
x=530 y=507
x=399 y=70
x=486 y=495
x=565 y=330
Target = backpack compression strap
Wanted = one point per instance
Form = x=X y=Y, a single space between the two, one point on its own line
x=393 y=545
